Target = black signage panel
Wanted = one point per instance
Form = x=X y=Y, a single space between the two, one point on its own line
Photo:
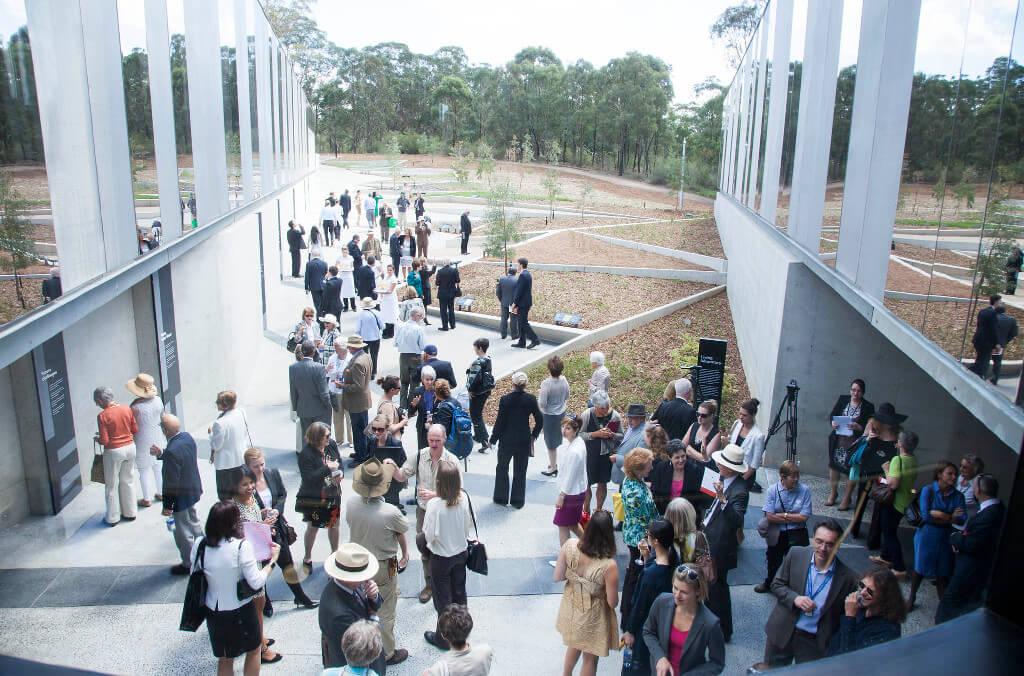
x=167 y=342
x=51 y=372
x=711 y=371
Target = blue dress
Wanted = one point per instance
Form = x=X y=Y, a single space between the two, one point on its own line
x=933 y=555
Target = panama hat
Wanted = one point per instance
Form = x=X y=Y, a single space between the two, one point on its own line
x=372 y=478
x=329 y=319
x=351 y=563
x=367 y=303
x=355 y=341
x=732 y=457
x=142 y=386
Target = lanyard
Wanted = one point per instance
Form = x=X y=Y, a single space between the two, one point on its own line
x=810 y=571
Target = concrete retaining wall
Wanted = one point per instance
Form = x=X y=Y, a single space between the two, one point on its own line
x=904 y=295
x=704 y=276
x=717 y=264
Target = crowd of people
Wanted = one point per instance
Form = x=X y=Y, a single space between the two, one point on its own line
x=680 y=492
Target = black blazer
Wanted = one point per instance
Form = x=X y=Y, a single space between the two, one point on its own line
x=512 y=426
x=395 y=246
x=704 y=652
x=425 y=276
x=313 y=491
x=332 y=296
x=523 y=297
x=180 y=473
x=721 y=532
x=365 y=282
x=447 y=280
x=278 y=494
x=339 y=610
x=661 y=481
x=867 y=410
x=675 y=417
x=316 y=268
x=356 y=253
x=346 y=203
x=295 y=239
x=976 y=548
x=442 y=368
x=465 y=226
x=986 y=335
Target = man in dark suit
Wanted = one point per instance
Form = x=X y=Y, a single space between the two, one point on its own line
x=506 y=291
x=442 y=368
x=295 y=245
x=51 y=287
x=182 y=487
x=676 y=416
x=351 y=595
x=986 y=335
x=975 y=549
x=395 y=249
x=332 y=292
x=466 y=228
x=723 y=522
x=365 y=279
x=355 y=252
x=522 y=301
x=346 y=206
x=307 y=382
x=447 y=285
x=316 y=268
x=1006 y=330
x=420 y=205
x=811 y=586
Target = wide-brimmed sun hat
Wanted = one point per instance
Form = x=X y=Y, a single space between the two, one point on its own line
x=367 y=303
x=887 y=415
x=142 y=386
x=351 y=563
x=329 y=319
x=372 y=478
x=355 y=341
x=732 y=457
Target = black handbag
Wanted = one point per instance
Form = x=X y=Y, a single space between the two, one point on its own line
x=912 y=513
x=243 y=588
x=292 y=343
x=193 y=611
x=476 y=553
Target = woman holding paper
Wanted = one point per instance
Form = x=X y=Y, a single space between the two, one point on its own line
x=858 y=409
x=262 y=544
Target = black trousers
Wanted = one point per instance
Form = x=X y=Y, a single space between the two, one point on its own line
x=447 y=306
x=787 y=539
x=981 y=359
x=633 y=570
x=720 y=602
x=997 y=368
x=374 y=347
x=318 y=302
x=465 y=243
x=874 y=540
x=891 y=549
x=802 y=647
x=525 y=330
x=395 y=260
x=407 y=364
x=328 y=231
x=476 y=414
x=296 y=262
x=520 y=459
x=447 y=582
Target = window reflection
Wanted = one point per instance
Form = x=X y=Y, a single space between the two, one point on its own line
x=251 y=17
x=182 y=118
x=229 y=80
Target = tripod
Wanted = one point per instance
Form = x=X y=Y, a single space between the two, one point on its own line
x=788 y=406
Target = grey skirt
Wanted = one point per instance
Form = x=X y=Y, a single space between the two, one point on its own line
x=552 y=430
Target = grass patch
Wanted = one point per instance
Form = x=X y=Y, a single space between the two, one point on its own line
x=927 y=223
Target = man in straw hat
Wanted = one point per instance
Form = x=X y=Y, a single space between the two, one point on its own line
x=723 y=526
x=351 y=595
x=380 y=528
x=355 y=393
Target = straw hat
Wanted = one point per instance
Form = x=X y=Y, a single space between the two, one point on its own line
x=367 y=303
x=732 y=457
x=142 y=386
x=351 y=563
x=329 y=319
x=355 y=341
x=372 y=478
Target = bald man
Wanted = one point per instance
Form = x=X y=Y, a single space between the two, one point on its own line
x=182 y=487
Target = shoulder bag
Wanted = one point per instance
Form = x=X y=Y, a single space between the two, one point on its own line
x=769 y=530
x=912 y=514
x=96 y=474
x=193 y=611
x=702 y=559
x=476 y=553
x=881 y=493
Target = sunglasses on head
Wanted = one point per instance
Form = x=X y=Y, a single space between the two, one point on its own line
x=691 y=574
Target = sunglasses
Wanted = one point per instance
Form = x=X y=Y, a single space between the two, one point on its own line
x=864 y=589
x=703 y=415
x=691 y=574
x=308 y=316
x=379 y=429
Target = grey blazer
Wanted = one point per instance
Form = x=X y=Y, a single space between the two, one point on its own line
x=704 y=652
x=307 y=382
x=790 y=582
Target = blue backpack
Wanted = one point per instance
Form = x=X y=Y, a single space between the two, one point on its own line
x=460 y=435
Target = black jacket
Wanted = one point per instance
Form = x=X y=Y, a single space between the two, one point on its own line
x=474 y=375
x=442 y=368
x=985 y=335
x=1006 y=327
x=314 y=491
x=447 y=281
x=332 y=296
x=180 y=473
x=465 y=226
x=278 y=495
x=339 y=610
x=704 y=650
x=365 y=282
x=861 y=632
x=395 y=246
x=675 y=417
x=654 y=581
x=976 y=549
x=512 y=427
x=295 y=241
x=523 y=297
x=721 y=532
x=425 y=276
x=346 y=203
x=661 y=482
x=316 y=268
x=356 y=253
x=867 y=410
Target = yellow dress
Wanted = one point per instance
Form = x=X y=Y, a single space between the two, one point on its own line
x=585 y=620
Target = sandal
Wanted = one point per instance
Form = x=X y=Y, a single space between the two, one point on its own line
x=265 y=659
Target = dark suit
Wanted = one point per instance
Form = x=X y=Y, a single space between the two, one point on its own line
x=51 y=289
x=339 y=610
x=356 y=253
x=975 y=551
x=332 y=296
x=704 y=650
x=784 y=641
x=442 y=368
x=182 y=490
x=986 y=337
x=295 y=244
x=395 y=249
x=365 y=282
x=515 y=440
x=346 y=206
x=1006 y=330
x=307 y=384
x=506 y=291
x=466 y=228
x=722 y=534
x=675 y=417
x=316 y=268
x=447 y=282
x=523 y=300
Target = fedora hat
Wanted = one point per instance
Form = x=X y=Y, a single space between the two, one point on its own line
x=329 y=318
x=142 y=386
x=636 y=411
x=351 y=563
x=887 y=415
x=355 y=341
x=732 y=457
x=372 y=478
x=367 y=303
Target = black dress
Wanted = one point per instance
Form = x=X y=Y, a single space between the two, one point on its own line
x=318 y=499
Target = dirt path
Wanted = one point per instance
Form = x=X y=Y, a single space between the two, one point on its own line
x=665 y=194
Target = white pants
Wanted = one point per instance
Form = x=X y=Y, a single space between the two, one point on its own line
x=150 y=480
x=119 y=475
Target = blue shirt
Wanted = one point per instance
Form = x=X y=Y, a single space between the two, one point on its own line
x=780 y=501
x=817 y=588
x=368 y=325
x=409 y=338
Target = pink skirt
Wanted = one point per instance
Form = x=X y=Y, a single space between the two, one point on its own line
x=571 y=511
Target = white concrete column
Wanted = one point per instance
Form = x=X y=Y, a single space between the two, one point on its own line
x=742 y=142
x=273 y=162
x=206 y=107
x=783 y=15
x=814 y=124
x=762 y=69
x=244 y=116
x=263 y=108
x=878 y=132
x=158 y=49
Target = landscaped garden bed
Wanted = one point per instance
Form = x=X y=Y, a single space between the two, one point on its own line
x=699 y=236
x=574 y=248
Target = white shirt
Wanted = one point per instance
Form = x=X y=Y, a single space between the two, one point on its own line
x=336 y=365
x=328 y=214
x=988 y=503
x=572 y=470
x=228 y=439
x=447 y=529
x=474 y=661
x=420 y=467
x=718 y=504
x=224 y=566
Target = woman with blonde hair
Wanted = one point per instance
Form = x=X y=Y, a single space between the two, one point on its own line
x=690 y=542
x=410 y=301
x=681 y=634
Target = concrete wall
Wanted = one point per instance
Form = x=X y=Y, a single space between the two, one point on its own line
x=13 y=492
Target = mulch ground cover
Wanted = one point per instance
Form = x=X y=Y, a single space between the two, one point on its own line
x=573 y=248
x=699 y=236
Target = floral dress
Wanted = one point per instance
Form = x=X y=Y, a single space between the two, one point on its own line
x=639 y=507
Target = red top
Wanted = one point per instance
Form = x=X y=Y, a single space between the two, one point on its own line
x=117 y=425
x=677 y=488
x=676 y=642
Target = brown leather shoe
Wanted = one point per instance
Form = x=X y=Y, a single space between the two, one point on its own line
x=425 y=595
x=400 y=655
